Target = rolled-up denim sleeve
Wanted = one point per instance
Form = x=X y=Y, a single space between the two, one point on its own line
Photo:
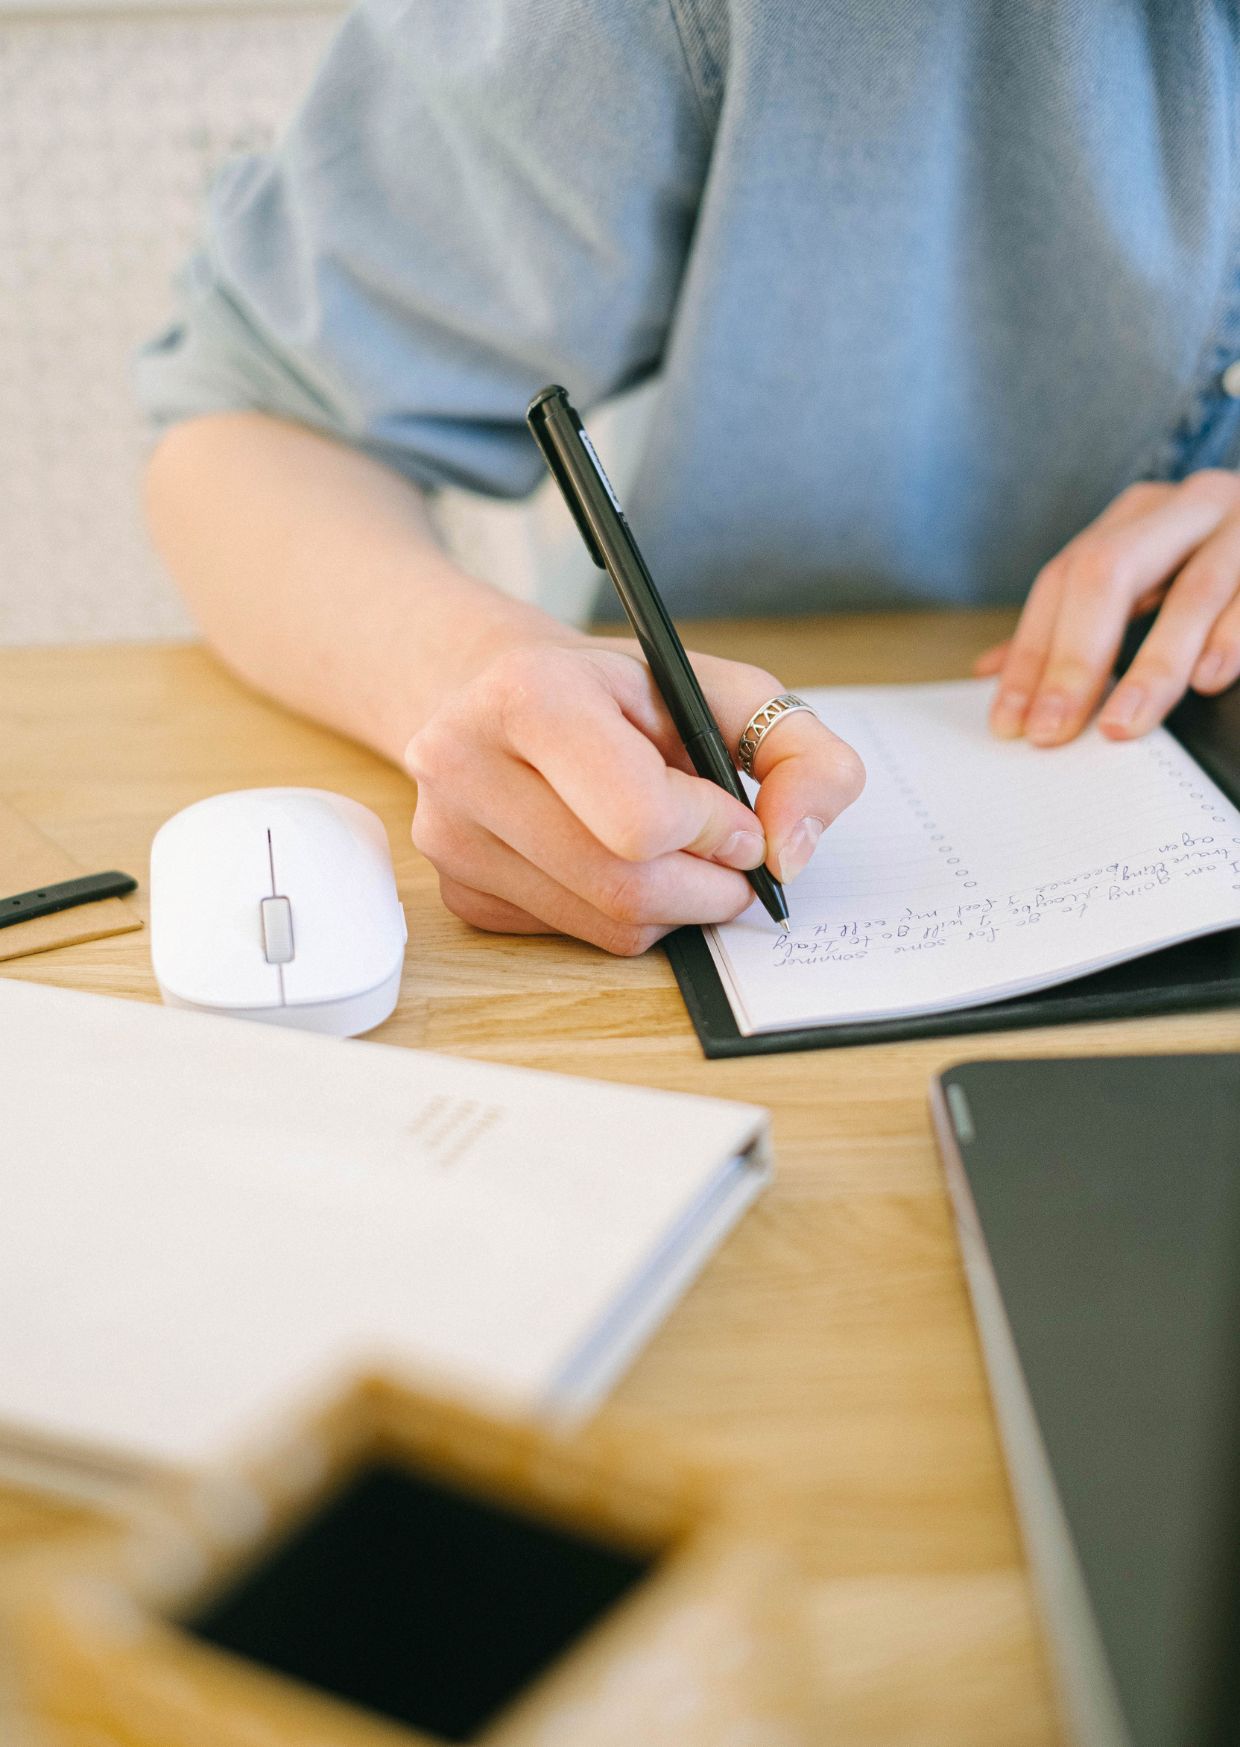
x=475 y=198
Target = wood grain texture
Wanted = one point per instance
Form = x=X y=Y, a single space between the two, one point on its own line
x=827 y=1355
x=30 y=860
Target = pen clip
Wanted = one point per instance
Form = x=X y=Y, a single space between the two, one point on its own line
x=535 y=418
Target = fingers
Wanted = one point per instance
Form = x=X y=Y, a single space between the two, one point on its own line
x=816 y=775
x=1219 y=665
x=632 y=917
x=558 y=718
x=1065 y=646
x=808 y=777
x=524 y=813
x=484 y=910
x=548 y=796
x=1194 y=639
x=807 y=774
x=640 y=807
x=496 y=916
x=1025 y=654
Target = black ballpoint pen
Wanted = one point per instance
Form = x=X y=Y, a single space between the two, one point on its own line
x=586 y=489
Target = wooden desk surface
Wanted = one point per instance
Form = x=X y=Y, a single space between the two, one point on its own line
x=829 y=1350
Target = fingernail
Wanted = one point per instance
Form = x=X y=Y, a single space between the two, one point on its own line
x=744 y=850
x=797 y=848
x=1046 y=722
x=1208 y=670
x=1123 y=707
x=1007 y=714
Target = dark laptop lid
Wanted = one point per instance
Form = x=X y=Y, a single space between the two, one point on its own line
x=1098 y=1203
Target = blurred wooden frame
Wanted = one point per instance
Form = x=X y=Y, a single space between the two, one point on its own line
x=709 y=1647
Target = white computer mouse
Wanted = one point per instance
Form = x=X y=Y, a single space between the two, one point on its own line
x=279 y=905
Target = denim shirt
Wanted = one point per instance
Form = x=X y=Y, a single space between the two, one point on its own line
x=926 y=284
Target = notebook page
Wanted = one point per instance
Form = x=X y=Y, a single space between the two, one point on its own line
x=973 y=869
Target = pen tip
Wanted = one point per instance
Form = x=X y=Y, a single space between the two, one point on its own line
x=785 y=925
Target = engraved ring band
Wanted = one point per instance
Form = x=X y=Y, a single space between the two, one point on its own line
x=762 y=721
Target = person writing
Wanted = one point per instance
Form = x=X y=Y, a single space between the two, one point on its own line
x=944 y=304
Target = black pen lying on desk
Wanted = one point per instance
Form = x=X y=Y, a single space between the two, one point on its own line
x=577 y=471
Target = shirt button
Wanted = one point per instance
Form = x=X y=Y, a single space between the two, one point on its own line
x=1230 y=380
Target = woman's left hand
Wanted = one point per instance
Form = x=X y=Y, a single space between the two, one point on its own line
x=1178 y=544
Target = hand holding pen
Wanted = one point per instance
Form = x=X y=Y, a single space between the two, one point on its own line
x=555 y=795
x=587 y=491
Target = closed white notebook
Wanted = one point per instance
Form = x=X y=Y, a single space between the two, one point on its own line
x=973 y=869
x=201 y=1220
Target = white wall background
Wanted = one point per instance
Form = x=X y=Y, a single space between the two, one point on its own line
x=111 y=125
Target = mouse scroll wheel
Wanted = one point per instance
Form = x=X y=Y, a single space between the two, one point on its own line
x=277 y=919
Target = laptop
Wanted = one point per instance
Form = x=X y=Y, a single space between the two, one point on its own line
x=1098 y=1206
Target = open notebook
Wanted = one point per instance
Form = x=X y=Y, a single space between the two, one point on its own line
x=974 y=871
x=203 y=1220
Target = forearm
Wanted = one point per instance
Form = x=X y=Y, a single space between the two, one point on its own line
x=314 y=572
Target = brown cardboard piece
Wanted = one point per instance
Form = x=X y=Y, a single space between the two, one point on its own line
x=29 y=860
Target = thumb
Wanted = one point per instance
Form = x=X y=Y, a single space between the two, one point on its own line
x=808 y=775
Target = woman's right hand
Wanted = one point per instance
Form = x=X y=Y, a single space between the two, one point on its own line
x=555 y=797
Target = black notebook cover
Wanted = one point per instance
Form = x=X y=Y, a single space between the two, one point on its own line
x=1200 y=973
